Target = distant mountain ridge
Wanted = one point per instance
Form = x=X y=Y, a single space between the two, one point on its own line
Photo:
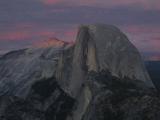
x=153 y=68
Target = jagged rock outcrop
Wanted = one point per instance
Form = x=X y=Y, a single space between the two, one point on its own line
x=101 y=77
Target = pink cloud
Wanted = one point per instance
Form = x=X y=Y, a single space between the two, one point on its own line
x=157 y=38
x=154 y=58
x=19 y=31
x=45 y=33
x=28 y=31
x=14 y=35
x=25 y=35
x=141 y=29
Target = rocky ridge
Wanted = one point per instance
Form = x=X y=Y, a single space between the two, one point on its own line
x=101 y=77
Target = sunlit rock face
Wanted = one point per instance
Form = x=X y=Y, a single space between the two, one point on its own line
x=100 y=77
x=52 y=42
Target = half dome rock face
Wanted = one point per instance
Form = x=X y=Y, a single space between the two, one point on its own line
x=99 y=51
x=103 y=47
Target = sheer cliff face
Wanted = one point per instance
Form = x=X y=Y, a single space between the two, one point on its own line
x=100 y=48
x=107 y=48
x=96 y=79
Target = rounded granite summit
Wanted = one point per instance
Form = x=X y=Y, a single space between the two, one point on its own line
x=108 y=48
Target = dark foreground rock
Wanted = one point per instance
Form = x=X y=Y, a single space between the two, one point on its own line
x=95 y=79
x=112 y=99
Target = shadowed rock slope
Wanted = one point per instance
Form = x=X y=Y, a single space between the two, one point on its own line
x=101 y=77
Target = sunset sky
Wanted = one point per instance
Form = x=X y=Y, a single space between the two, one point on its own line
x=23 y=22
